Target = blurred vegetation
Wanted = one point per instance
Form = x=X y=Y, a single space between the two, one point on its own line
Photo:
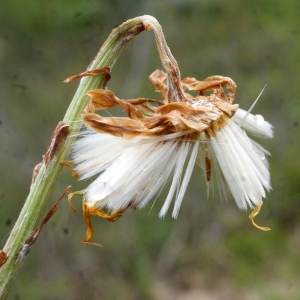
x=212 y=251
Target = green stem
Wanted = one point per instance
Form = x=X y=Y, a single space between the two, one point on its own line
x=40 y=191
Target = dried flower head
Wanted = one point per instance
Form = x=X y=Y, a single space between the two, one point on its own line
x=161 y=140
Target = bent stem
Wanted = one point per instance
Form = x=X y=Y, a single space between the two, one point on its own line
x=41 y=189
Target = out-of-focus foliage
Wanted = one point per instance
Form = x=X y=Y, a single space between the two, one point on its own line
x=212 y=251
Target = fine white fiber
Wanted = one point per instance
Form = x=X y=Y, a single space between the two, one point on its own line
x=93 y=152
x=133 y=172
x=254 y=124
x=244 y=170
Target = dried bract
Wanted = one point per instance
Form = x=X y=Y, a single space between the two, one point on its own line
x=57 y=140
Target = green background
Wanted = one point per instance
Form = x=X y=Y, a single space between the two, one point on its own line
x=211 y=251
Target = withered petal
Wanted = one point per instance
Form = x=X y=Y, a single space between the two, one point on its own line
x=190 y=110
x=193 y=84
x=175 y=122
x=184 y=108
x=223 y=81
x=212 y=83
x=222 y=105
x=197 y=123
x=159 y=80
x=102 y=99
x=100 y=71
x=140 y=101
x=120 y=127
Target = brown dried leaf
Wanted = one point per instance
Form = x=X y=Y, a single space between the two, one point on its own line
x=57 y=140
x=198 y=118
x=212 y=83
x=120 y=127
x=103 y=99
x=159 y=81
x=183 y=108
x=224 y=106
x=96 y=72
x=194 y=123
x=141 y=101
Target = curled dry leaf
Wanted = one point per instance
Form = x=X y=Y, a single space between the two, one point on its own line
x=96 y=72
x=57 y=140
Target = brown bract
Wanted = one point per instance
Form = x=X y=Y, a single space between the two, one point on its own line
x=152 y=118
x=96 y=72
x=57 y=140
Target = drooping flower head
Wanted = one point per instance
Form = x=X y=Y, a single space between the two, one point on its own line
x=160 y=140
